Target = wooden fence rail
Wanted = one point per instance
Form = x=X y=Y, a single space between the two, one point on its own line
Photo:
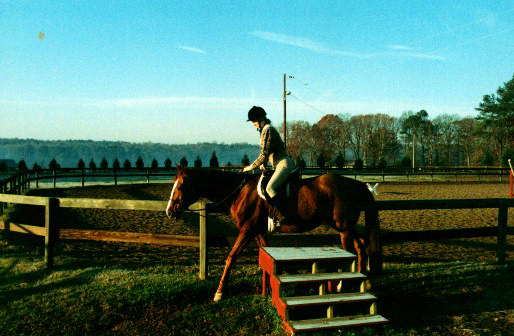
x=51 y=232
x=20 y=182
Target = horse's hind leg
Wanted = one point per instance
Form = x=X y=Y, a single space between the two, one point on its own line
x=351 y=241
x=241 y=242
x=347 y=241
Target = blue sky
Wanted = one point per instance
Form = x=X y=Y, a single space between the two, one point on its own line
x=188 y=71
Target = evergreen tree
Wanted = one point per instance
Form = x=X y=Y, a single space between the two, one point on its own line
x=92 y=165
x=3 y=167
x=167 y=163
x=488 y=159
x=229 y=164
x=81 y=164
x=183 y=162
x=300 y=162
x=116 y=164
x=358 y=164
x=155 y=164
x=53 y=165
x=382 y=164
x=22 y=166
x=127 y=165
x=245 y=162
x=140 y=164
x=320 y=161
x=104 y=164
x=198 y=162
x=339 y=161
x=497 y=116
x=213 y=162
x=35 y=167
x=406 y=161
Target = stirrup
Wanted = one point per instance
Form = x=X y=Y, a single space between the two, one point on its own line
x=273 y=225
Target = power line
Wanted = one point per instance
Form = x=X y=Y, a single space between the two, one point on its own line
x=308 y=105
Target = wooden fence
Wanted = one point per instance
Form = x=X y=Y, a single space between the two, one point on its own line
x=19 y=182
x=52 y=233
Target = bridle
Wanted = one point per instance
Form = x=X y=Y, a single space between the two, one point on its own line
x=181 y=207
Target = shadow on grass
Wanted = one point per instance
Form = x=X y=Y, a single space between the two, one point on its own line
x=27 y=287
x=430 y=295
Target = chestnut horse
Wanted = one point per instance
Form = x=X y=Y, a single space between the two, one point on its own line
x=331 y=199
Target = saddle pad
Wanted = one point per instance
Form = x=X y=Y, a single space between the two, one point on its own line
x=259 y=188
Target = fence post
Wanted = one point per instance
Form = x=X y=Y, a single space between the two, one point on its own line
x=83 y=176
x=203 y=239
x=1 y=203
x=55 y=178
x=18 y=184
x=503 y=211
x=147 y=176
x=52 y=231
x=37 y=179
x=5 y=192
x=115 y=177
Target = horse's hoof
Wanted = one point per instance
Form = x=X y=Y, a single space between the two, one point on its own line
x=217 y=297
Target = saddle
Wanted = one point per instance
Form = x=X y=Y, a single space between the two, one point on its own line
x=289 y=187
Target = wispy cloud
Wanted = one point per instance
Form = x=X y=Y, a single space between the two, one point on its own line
x=291 y=40
x=423 y=56
x=398 y=47
x=304 y=43
x=315 y=46
x=192 y=49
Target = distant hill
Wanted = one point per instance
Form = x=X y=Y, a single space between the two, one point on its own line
x=69 y=152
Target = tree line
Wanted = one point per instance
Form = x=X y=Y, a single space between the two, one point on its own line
x=127 y=164
x=372 y=140
x=413 y=139
x=68 y=153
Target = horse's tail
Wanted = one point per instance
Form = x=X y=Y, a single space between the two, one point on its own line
x=374 y=249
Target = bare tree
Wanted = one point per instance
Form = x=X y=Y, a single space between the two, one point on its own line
x=467 y=137
x=446 y=125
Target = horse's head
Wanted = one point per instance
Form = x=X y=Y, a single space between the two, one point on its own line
x=182 y=195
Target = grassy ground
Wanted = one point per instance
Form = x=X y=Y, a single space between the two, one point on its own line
x=138 y=293
x=84 y=296
x=451 y=287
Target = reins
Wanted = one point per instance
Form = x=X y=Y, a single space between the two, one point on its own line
x=239 y=187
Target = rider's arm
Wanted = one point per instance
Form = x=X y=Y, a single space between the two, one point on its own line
x=265 y=148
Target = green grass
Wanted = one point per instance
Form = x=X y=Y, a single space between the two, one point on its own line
x=79 y=297
x=124 y=295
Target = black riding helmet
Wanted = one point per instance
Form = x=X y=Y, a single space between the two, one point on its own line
x=256 y=113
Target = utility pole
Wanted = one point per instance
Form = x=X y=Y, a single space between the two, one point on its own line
x=414 y=150
x=285 y=120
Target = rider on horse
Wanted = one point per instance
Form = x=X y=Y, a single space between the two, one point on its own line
x=273 y=150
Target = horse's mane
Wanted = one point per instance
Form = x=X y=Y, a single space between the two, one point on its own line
x=215 y=181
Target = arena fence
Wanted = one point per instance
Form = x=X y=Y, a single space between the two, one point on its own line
x=19 y=182
x=52 y=233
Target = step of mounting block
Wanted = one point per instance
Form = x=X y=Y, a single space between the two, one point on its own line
x=307 y=253
x=336 y=323
x=327 y=299
x=319 y=277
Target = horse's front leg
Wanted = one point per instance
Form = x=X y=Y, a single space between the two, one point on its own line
x=242 y=240
x=261 y=241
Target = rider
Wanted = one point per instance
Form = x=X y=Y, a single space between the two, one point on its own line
x=274 y=150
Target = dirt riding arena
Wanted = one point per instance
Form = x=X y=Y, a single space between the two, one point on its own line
x=154 y=222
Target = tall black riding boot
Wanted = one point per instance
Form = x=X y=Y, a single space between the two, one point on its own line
x=286 y=212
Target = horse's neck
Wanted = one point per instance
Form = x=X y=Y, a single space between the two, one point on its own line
x=217 y=186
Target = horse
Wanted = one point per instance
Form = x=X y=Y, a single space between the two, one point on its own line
x=332 y=199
